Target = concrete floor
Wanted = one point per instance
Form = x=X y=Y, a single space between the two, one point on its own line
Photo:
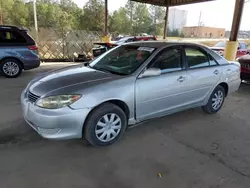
x=184 y=150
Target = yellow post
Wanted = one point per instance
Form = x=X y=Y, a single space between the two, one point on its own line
x=231 y=50
x=232 y=45
x=106 y=39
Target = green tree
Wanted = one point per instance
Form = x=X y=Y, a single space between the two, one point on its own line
x=19 y=13
x=119 y=21
x=130 y=10
x=141 y=19
x=174 y=33
x=157 y=15
x=5 y=9
x=93 y=16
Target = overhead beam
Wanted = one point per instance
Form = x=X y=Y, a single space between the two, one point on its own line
x=171 y=2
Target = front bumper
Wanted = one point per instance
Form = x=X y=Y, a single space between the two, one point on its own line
x=245 y=76
x=64 y=123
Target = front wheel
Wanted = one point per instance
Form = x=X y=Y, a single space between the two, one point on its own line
x=215 y=101
x=105 y=125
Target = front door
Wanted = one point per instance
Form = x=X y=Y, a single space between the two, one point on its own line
x=157 y=95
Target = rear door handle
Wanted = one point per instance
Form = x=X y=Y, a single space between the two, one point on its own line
x=216 y=72
x=181 y=79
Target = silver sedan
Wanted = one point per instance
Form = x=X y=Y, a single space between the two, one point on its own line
x=126 y=85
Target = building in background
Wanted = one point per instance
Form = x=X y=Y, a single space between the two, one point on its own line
x=177 y=19
x=204 y=32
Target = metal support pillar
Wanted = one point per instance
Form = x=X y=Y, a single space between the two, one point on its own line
x=232 y=44
x=35 y=20
x=105 y=37
x=106 y=18
x=166 y=24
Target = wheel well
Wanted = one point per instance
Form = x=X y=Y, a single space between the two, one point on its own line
x=225 y=86
x=13 y=58
x=118 y=103
x=122 y=105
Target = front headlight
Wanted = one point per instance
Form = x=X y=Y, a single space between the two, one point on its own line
x=58 y=101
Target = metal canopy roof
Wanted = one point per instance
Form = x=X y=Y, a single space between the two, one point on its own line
x=171 y=2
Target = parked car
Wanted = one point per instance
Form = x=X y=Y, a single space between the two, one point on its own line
x=134 y=39
x=101 y=47
x=220 y=48
x=128 y=84
x=18 y=51
x=245 y=67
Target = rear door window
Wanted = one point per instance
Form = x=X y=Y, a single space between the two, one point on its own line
x=11 y=37
x=196 y=58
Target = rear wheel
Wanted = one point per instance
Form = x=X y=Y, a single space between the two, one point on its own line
x=215 y=101
x=11 y=68
x=105 y=125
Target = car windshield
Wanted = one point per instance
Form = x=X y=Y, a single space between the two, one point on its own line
x=220 y=44
x=122 y=60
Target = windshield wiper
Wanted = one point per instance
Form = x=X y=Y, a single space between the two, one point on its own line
x=107 y=71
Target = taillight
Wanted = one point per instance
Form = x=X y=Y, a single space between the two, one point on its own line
x=33 y=47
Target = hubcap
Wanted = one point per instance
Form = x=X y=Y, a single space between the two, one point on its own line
x=10 y=68
x=108 y=127
x=217 y=100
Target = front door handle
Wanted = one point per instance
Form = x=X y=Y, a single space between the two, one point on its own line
x=216 y=72
x=181 y=79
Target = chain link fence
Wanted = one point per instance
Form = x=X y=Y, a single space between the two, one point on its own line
x=65 y=45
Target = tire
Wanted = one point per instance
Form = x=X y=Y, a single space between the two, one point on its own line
x=211 y=106
x=97 y=126
x=11 y=63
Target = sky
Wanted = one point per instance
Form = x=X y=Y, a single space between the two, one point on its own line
x=217 y=13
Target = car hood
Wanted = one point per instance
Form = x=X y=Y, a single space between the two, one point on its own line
x=64 y=78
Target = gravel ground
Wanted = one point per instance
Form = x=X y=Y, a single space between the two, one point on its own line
x=184 y=150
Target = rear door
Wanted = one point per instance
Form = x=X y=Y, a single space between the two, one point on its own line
x=203 y=73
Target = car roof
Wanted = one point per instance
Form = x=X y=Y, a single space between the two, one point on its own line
x=160 y=44
x=12 y=27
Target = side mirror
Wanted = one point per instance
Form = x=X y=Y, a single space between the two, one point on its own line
x=151 y=72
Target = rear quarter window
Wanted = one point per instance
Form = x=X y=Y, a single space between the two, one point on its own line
x=11 y=37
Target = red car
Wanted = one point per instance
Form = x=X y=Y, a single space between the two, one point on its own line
x=242 y=48
x=245 y=67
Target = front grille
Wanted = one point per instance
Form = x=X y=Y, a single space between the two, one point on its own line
x=32 y=97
